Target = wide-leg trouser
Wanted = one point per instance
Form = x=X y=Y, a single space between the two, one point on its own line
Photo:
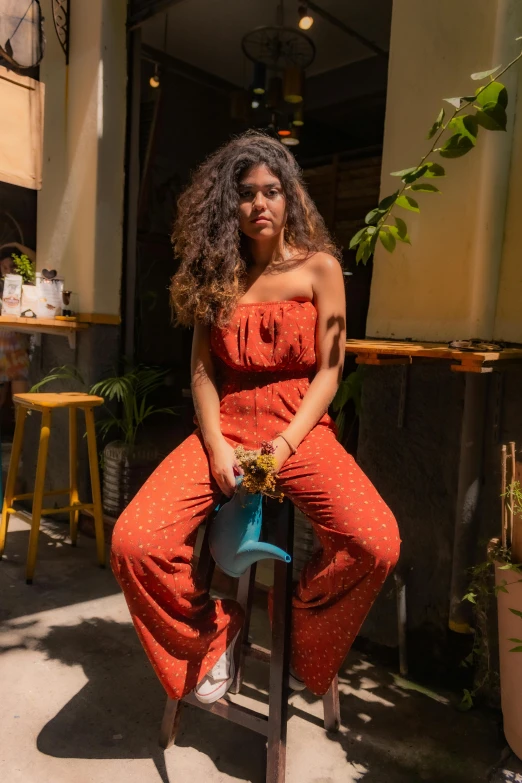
x=183 y=631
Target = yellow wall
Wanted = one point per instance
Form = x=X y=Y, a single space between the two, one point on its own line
x=445 y=285
x=80 y=207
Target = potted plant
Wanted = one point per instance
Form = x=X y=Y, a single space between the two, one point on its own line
x=505 y=560
x=126 y=463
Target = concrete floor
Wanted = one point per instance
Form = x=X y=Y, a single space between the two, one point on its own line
x=79 y=701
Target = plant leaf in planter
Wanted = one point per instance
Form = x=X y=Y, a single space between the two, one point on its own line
x=516 y=611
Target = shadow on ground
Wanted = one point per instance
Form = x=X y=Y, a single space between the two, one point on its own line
x=389 y=734
x=64 y=574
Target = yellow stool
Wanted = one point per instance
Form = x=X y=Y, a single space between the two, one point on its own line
x=45 y=403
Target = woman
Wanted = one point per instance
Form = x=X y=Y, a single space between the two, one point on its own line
x=260 y=282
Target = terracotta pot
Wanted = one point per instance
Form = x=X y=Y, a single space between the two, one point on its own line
x=125 y=470
x=509 y=627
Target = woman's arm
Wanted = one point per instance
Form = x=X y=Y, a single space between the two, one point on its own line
x=329 y=299
x=206 y=402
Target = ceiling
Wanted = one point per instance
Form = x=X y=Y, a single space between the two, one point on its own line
x=207 y=33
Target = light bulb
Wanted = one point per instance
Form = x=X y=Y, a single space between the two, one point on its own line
x=305 y=20
x=154 y=80
x=255 y=104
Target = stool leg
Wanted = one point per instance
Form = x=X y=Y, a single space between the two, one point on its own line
x=12 y=473
x=73 y=474
x=39 y=484
x=170 y=723
x=244 y=597
x=331 y=707
x=280 y=657
x=95 y=485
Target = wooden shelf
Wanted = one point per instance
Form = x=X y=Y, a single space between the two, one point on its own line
x=39 y=326
x=383 y=353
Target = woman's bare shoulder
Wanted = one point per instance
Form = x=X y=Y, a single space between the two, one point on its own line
x=325 y=267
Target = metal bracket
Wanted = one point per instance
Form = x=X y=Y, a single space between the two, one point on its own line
x=405 y=374
x=62 y=24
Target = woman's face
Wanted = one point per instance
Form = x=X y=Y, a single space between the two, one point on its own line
x=262 y=204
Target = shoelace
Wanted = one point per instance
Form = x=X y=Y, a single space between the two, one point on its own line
x=220 y=670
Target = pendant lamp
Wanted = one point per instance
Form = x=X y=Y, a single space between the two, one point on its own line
x=293 y=84
x=259 y=83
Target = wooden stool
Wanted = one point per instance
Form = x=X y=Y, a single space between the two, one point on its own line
x=273 y=727
x=45 y=403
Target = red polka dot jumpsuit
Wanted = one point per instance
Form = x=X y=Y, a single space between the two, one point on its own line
x=265 y=359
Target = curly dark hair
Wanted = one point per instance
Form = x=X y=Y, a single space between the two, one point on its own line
x=206 y=236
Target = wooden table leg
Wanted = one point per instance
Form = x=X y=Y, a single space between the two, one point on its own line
x=45 y=431
x=170 y=723
x=331 y=707
x=12 y=474
x=73 y=475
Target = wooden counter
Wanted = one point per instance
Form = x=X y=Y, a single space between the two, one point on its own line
x=383 y=353
x=39 y=326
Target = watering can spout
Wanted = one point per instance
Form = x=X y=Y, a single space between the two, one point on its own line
x=252 y=552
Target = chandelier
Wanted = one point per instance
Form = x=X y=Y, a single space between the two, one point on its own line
x=280 y=56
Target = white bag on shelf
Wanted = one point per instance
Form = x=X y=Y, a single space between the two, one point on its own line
x=12 y=296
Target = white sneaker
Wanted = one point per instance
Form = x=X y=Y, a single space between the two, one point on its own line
x=294 y=682
x=216 y=683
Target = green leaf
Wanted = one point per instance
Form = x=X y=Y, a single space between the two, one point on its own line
x=484 y=74
x=465 y=125
x=425 y=187
x=400 y=231
x=519 y=641
x=361 y=251
x=493 y=117
x=394 y=231
x=466 y=701
x=354 y=241
x=387 y=240
x=456 y=146
x=402 y=228
x=436 y=125
x=406 y=202
x=495 y=92
x=434 y=170
x=374 y=215
x=470 y=597
x=417 y=174
x=516 y=649
x=517 y=612
x=454 y=102
x=388 y=201
x=403 y=172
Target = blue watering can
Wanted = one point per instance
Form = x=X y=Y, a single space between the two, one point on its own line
x=234 y=536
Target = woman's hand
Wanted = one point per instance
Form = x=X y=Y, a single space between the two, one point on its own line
x=282 y=452
x=223 y=465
